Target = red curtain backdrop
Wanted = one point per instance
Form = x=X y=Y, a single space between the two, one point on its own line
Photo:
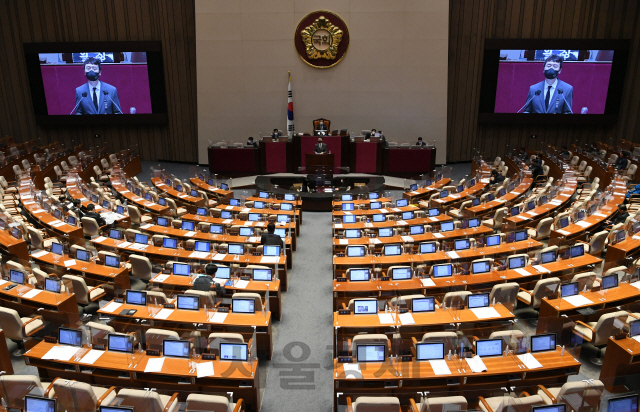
x=276 y=157
x=590 y=82
x=409 y=161
x=307 y=145
x=131 y=80
x=366 y=157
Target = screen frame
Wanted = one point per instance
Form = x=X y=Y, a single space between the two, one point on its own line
x=555 y=339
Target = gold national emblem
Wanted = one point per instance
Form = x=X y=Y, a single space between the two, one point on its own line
x=321 y=39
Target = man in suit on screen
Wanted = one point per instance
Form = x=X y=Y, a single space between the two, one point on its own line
x=320 y=147
x=551 y=95
x=95 y=96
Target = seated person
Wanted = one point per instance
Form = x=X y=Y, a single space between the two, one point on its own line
x=250 y=142
x=275 y=135
x=91 y=212
x=523 y=156
x=592 y=149
x=368 y=135
x=622 y=162
x=322 y=129
x=270 y=238
x=564 y=153
x=420 y=142
x=620 y=217
x=204 y=282
x=537 y=170
x=320 y=147
x=495 y=179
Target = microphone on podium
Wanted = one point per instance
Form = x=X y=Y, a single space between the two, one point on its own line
x=560 y=92
x=106 y=93
x=84 y=94
x=537 y=93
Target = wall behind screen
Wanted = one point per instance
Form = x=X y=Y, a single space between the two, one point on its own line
x=170 y=21
x=473 y=21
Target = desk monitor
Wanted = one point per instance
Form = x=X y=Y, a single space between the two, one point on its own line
x=569 y=289
x=408 y=215
x=53 y=285
x=461 y=244
x=233 y=351
x=118 y=342
x=168 y=182
x=563 y=222
x=112 y=261
x=375 y=205
x=446 y=226
x=434 y=212
x=271 y=250
x=427 y=183
x=346 y=198
x=429 y=351
x=542 y=200
x=610 y=281
x=478 y=268
x=475 y=202
x=543 y=343
x=286 y=206
x=428 y=247
x=355 y=251
x=548 y=257
x=201 y=211
x=225 y=214
x=365 y=307
x=83 y=255
x=263 y=275
x=115 y=234
x=140 y=238
x=502 y=192
x=16 y=276
x=516 y=262
x=474 y=222
x=162 y=201
x=531 y=205
x=94 y=197
x=236 y=202
x=224 y=186
x=443 y=270
x=263 y=195
x=416 y=229
x=370 y=353
x=181 y=269
x=352 y=233
x=619 y=236
x=210 y=182
x=627 y=403
x=246 y=231
x=402 y=202
x=175 y=348
x=224 y=272
x=283 y=218
x=426 y=304
x=490 y=197
x=379 y=218
x=521 y=235
x=577 y=251
x=243 y=305
x=444 y=193
x=178 y=188
x=56 y=213
x=634 y=328
x=258 y=204
x=392 y=250
x=163 y=221
x=135 y=297
x=187 y=225
x=169 y=243
x=280 y=232
x=557 y=407
x=460 y=188
x=69 y=336
x=489 y=347
x=401 y=274
x=385 y=232
x=359 y=275
x=348 y=206
x=236 y=249
x=147 y=196
x=71 y=220
x=515 y=211
x=39 y=404
x=348 y=219
x=493 y=240
x=289 y=197
x=188 y=302
x=201 y=246
x=373 y=195
x=580 y=215
x=413 y=187
x=478 y=300
x=216 y=229
x=57 y=248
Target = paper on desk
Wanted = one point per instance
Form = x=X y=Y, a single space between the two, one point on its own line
x=438 y=235
x=147 y=226
x=636 y=338
x=218 y=317
x=599 y=214
x=453 y=255
x=433 y=219
x=476 y=364
x=555 y=202
x=2 y=282
x=163 y=314
x=139 y=246
x=484 y=180
x=439 y=200
x=111 y=306
x=241 y=284
x=352 y=370
x=348 y=213
x=338 y=225
x=395 y=209
x=204 y=369
x=415 y=193
x=124 y=244
x=531 y=213
x=154 y=365
x=199 y=255
x=374 y=240
x=246 y=210
x=229 y=208
x=253 y=239
x=401 y=223
x=577 y=300
x=219 y=256
x=91 y=357
x=32 y=293
x=38 y=211
x=523 y=217
x=523 y=272
x=40 y=254
x=384 y=211
x=564 y=194
x=427 y=282
x=582 y=223
x=385 y=318
x=529 y=361
x=541 y=269
x=485 y=313
x=227 y=221
x=99 y=239
x=61 y=353
x=160 y=278
x=636 y=284
x=440 y=367
x=407 y=239
x=407 y=318
x=269 y=259
x=69 y=263
x=343 y=241
x=563 y=232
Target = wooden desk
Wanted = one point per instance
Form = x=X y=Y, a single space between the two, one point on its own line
x=394 y=223
x=190 y=202
x=177 y=376
x=457 y=198
x=237 y=222
x=294 y=215
x=508 y=199
x=144 y=204
x=319 y=163
x=621 y=358
x=297 y=204
x=75 y=192
x=221 y=195
x=338 y=203
x=425 y=191
x=14 y=247
x=616 y=253
x=369 y=212
x=184 y=320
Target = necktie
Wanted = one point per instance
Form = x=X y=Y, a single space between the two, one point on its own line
x=95 y=99
x=546 y=99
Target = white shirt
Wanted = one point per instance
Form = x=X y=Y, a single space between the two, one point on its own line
x=97 y=91
x=553 y=89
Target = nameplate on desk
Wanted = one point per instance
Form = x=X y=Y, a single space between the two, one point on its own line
x=50 y=339
x=169 y=306
x=153 y=352
x=344 y=312
x=341 y=279
x=208 y=356
x=119 y=300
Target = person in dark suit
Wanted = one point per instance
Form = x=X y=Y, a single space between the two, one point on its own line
x=320 y=147
x=205 y=281
x=523 y=156
x=275 y=135
x=620 y=217
x=250 y=142
x=622 y=162
x=322 y=128
x=564 y=153
x=495 y=179
x=270 y=238
x=537 y=170
x=91 y=212
x=95 y=96
x=551 y=95
x=420 y=142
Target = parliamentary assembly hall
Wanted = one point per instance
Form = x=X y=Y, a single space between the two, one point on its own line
x=319 y=205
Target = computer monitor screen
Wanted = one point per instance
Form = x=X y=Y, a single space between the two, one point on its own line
x=83 y=255
x=179 y=188
x=355 y=251
x=577 y=251
x=416 y=230
x=16 y=276
x=392 y=250
x=428 y=247
x=413 y=187
x=521 y=235
x=379 y=218
x=481 y=267
x=224 y=272
x=120 y=209
x=224 y=186
x=559 y=407
x=461 y=244
x=352 y=233
x=263 y=275
x=201 y=211
x=188 y=302
x=246 y=231
x=71 y=220
x=112 y=261
x=373 y=195
x=408 y=215
x=169 y=243
x=53 y=285
x=365 y=307
x=446 y=227
x=271 y=250
x=136 y=297
x=580 y=215
x=281 y=232
x=543 y=343
x=620 y=236
x=38 y=404
x=140 y=238
x=216 y=229
x=375 y=205
x=475 y=202
x=236 y=249
x=175 y=348
x=472 y=182
x=460 y=188
x=490 y=197
x=115 y=234
x=548 y=257
x=235 y=202
x=493 y=240
x=610 y=281
x=187 y=225
x=181 y=269
x=57 y=248
x=429 y=351
x=349 y=219
x=489 y=347
x=57 y=213
x=517 y=262
x=623 y=404
x=401 y=274
x=346 y=198
x=348 y=206
x=531 y=205
x=515 y=211
x=543 y=200
x=442 y=271
x=201 y=246
x=71 y=337
x=162 y=201
x=289 y=197
x=233 y=351
x=359 y=275
x=471 y=223
x=264 y=195
x=163 y=221
x=479 y=300
x=569 y=289
x=225 y=214
x=402 y=202
x=286 y=206
x=243 y=305
x=283 y=218
x=385 y=232
x=502 y=192
x=210 y=182
x=434 y=212
x=119 y=343
x=258 y=204
x=426 y=304
x=370 y=353
x=564 y=222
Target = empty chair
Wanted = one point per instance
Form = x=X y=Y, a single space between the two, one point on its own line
x=153 y=337
x=138 y=218
x=457 y=213
x=586 y=175
x=374 y=403
x=449 y=338
x=87 y=297
x=13 y=389
x=510 y=337
x=219 y=337
x=206 y=298
x=574 y=162
x=99 y=175
x=249 y=295
x=455 y=299
x=504 y=293
x=113 y=159
x=586 y=281
x=156 y=297
x=141 y=267
x=496 y=222
x=542 y=230
x=597 y=333
x=90 y=227
x=543 y=288
x=367 y=339
x=498 y=404
x=612 y=159
x=580 y=395
x=597 y=243
x=214 y=403
x=19 y=329
x=148 y=401
x=177 y=211
x=82 y=397
x=442 y=404
x=105 y=164
x=630 y=173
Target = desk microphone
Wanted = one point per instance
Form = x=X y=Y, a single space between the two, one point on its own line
x=537 y=93
x=106 y=93
x=84 y=94
x=560 y=92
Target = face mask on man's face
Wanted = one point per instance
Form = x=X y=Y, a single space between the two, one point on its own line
x=91 y=75
x=550 y=74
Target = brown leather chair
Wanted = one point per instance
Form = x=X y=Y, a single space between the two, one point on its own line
x=326 y=123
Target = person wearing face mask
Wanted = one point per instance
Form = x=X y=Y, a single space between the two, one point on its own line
x=551 y=95
x=96 y=96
